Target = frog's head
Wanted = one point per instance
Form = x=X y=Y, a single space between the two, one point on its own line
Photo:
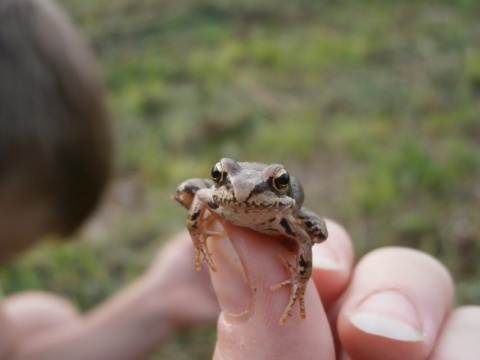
x=251 y=184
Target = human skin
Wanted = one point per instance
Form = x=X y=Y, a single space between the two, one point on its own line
x=129 y=325
x=396 y=303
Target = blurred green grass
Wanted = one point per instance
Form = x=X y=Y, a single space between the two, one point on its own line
x=373 y=105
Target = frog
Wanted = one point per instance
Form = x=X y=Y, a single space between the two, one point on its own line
x=258 y=196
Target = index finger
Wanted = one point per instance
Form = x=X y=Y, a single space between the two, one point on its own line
x=248 y=326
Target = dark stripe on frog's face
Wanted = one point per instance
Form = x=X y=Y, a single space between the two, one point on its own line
x=258 y=189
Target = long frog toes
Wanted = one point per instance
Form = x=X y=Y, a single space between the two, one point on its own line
x=298 y=286
x=200 y=224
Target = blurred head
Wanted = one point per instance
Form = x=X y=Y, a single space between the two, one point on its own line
x=55 y=139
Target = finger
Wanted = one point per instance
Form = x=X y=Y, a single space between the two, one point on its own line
x=460 y=335
x=188 y=293
x=33 y=312
x=248 y=327
x=332 y=264
x=395 y=305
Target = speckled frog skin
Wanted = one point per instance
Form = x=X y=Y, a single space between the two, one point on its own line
x=261 y=197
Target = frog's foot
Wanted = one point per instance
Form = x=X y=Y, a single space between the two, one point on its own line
x=201 y=244
x=298 y=290
x=201 y=247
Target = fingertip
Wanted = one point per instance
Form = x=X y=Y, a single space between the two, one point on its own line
x=361 y=345
x=257 y=334
x=336 y=252
x=395 y=306
x=332 y=263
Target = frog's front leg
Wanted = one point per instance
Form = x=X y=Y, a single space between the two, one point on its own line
x=300 y=274
x=186 y=191
x=314 y=225
x=200 y=223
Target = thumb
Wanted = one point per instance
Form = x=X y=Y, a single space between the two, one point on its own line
x=248 y=327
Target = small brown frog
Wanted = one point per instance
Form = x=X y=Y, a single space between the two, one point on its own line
x=261 y=197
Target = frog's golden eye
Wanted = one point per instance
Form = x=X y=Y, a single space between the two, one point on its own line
x=217 y=173
x=281 y=180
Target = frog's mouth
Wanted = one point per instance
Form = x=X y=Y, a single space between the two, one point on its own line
x=231 y=201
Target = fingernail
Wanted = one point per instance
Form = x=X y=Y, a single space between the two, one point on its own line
x=324 y=258
x=389 y=314
x=230 y=281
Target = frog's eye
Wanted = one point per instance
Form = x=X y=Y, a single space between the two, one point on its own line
x=217 y=173
x=281 y=180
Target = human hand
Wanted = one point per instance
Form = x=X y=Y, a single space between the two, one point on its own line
x=186 y=294
x=395 y=304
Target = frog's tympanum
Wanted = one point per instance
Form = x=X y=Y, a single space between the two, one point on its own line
x=261 y=197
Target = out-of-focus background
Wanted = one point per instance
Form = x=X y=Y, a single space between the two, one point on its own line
x=373 y=105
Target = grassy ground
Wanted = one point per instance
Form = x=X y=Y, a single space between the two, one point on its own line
x=374 y=105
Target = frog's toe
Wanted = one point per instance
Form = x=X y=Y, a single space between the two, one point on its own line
x=200 y=247
x=298 y=291
x=208 y=257
x=197 y=259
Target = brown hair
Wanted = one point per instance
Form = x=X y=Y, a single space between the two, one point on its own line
x=55 y=136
